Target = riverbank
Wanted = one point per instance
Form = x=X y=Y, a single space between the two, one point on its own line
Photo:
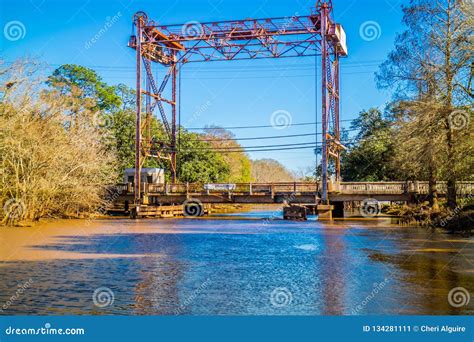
x=459 y=220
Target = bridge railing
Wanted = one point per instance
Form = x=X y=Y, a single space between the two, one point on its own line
x=462 y=188
x=373 y=187
x=235 y=188
x=465 y=188
x=420 y=187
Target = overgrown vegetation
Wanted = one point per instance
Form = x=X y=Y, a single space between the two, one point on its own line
x=52 y=160
x=426 y=132
x=66 y=137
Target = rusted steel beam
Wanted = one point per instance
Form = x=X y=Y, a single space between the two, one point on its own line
x=138 y=129
x=174 y=74
x=296 y=36
x=157 y=97
x=324 y=100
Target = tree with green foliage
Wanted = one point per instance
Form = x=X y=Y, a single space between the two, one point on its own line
x=197 y=162
x=369 y=157
x=127 y=95
x=115 y=116
x=84 y=83
x=238 y=161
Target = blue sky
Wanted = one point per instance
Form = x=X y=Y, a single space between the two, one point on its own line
x=236 y=93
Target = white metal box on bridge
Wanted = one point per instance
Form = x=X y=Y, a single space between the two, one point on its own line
x=147 y=175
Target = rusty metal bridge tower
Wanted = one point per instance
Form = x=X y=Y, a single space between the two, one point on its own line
x=172 y=46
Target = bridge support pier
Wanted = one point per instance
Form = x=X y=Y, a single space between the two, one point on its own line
x=324 y=212
x=338 y=211
x=295 y=213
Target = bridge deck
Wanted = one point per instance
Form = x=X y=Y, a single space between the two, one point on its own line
x=304 y=193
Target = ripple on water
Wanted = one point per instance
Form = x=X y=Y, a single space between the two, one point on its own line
x=308 y=247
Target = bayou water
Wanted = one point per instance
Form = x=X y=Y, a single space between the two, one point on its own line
x=241 y=264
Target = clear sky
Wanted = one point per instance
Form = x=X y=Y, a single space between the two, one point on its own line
x=224 y=93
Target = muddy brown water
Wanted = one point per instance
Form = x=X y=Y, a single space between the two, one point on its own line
x=245 y=264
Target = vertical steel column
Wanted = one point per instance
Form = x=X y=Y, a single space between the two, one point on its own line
x=138 y=134
x=324 y=103
x=147 y=132
x=337 y=108
x=173 y=121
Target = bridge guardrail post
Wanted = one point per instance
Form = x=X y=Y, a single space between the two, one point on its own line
x=272 y=190
x=250 y=189
x=187 y=190
x=167 y=189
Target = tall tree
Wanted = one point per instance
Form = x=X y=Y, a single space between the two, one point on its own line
x=431 y=65
x=85 y=84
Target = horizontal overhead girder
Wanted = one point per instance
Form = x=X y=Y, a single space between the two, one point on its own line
x=232 y=40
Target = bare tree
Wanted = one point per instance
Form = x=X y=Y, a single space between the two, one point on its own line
x=48 y=167
x=270 y=171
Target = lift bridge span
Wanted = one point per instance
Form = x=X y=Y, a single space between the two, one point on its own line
x=173 y=46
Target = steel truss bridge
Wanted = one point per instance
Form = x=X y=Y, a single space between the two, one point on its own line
x=172 y=46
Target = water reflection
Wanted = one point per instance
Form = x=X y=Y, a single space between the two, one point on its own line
x=232 y=267
x=334 y=274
